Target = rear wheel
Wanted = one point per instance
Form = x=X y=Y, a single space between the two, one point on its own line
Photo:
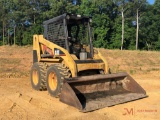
x=37 y=76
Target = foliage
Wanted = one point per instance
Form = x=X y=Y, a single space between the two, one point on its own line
x=21 y=19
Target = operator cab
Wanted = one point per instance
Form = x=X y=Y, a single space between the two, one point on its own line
x=71 y=32
x=79 y=35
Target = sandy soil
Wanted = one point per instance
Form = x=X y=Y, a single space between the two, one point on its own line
x=18 y=101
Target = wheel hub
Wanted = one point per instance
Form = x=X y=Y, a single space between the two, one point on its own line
x=35 y=77
x=52 y=81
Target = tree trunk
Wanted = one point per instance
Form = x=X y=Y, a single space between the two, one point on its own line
x=34 y=19
x=122 y=29
x=14 y=35
x=137 y=32
x=3 y=33
x=8 y=36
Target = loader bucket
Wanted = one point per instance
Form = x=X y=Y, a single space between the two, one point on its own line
x=88 y=93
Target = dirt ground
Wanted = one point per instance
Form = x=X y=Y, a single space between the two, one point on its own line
x=18 y=101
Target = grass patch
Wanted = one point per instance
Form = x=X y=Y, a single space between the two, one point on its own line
x=132 y=72
x=5 y=61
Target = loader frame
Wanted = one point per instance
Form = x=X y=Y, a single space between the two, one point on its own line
x=56 y=38
x=68 y=59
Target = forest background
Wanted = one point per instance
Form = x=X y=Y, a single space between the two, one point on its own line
x=117 y=24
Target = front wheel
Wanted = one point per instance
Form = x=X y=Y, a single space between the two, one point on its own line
x=54 y=80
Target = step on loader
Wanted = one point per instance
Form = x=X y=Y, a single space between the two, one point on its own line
x=66 y=64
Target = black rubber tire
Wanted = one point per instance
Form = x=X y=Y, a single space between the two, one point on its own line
x=59 y=77
x=40 y=84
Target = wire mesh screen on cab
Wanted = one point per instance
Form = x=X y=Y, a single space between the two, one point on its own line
x=55 y=33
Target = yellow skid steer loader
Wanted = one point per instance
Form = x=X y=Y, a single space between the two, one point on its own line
x=65 y=63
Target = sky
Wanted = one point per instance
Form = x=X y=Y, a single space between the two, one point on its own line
x=151 y=1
